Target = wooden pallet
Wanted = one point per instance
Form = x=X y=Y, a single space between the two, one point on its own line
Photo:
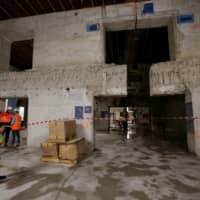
x=71 y=162
x=57 y=160
x=50 y=159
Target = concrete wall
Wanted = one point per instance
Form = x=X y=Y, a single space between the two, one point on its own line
x=61 y=38
x=58 y=104
x=2 y=105
x=190 y=123
x=54 y=93
x=63 y=47
x=5 y=46
x=196 y=113
x=180 y=77
x=176 y=77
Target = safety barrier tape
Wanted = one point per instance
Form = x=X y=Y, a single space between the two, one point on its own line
x=36 y=123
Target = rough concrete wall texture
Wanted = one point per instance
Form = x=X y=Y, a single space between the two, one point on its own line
x=61 y=41
x=175 y=77
x=54 y=105
x=61 y=38
x=180 y=77
x=5 y=46
x=97 y=79
x=49 y=98
x=196 y=111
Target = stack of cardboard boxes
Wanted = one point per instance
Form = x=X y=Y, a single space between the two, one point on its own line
x=63 y=146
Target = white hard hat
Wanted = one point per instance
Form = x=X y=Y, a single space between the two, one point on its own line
x=9 y=108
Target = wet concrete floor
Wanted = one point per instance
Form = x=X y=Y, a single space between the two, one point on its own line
x=120 y=169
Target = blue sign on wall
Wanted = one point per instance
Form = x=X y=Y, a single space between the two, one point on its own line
x=93 y=27
x=78 y=112
x=88 y=109
x=183 y=19
x=148 y=8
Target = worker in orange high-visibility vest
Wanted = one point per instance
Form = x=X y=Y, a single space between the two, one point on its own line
x=5 y=120
x=16 y=127
x=1 y=126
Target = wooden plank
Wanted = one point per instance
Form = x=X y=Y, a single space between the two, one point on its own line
x=50 y=159
x=71 y=162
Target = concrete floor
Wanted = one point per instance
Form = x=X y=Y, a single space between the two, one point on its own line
x=120 y=170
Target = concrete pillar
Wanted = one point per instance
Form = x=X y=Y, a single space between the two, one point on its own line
x=196 y=111
x=54 y=105
x=102 y=44
x=190 y=123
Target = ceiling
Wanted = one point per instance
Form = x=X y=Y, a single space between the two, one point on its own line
x=20 y=8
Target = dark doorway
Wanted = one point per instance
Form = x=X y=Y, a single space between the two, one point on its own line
x=22 y=105
x=138 y=49
x=21 y=55
x=137 y=46
x=168 y=120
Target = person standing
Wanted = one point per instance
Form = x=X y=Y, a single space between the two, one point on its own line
x=1 y=122
x=5 y=122
x=16 y=127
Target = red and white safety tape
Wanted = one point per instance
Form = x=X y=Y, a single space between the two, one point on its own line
x=36 y=123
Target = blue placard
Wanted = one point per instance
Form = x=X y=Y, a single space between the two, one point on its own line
x=78 y=112
x=93 y=27
x=88 y=109
x=183 y=19
x=148 y=8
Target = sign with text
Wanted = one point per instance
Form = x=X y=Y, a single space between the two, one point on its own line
x=78 y=112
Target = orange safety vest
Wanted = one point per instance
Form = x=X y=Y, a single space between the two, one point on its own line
x=17 y=124
x=5 y=117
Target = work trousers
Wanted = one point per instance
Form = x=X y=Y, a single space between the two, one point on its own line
x=6 y=134
x=15 y=136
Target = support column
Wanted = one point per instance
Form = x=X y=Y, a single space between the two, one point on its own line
x=196 y=111
x=190 y=123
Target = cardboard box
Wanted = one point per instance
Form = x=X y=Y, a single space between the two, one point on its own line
x=72 y=150
x=49 y=149
x=68 y=152
x=61 y=131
